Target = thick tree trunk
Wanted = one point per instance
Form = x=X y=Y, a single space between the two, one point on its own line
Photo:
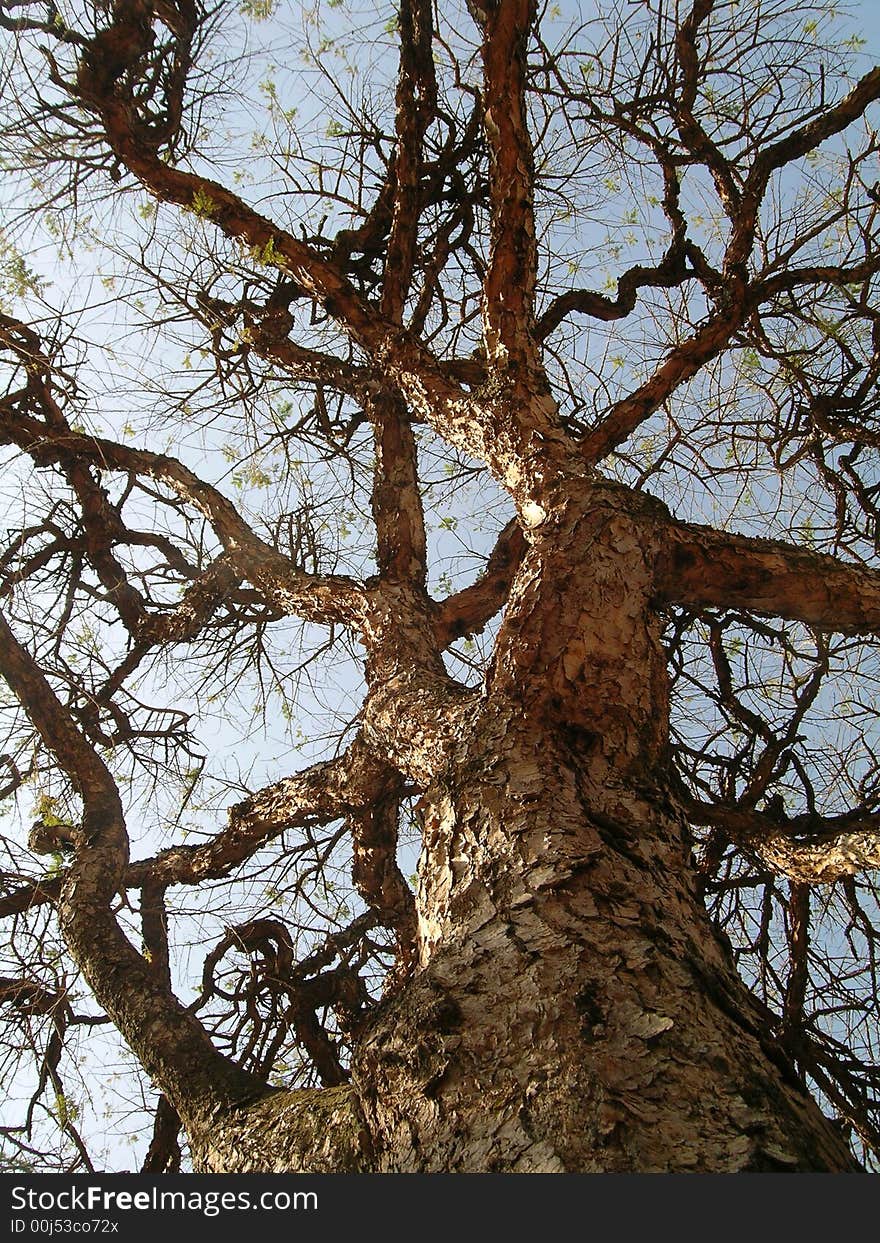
x=574 y=1010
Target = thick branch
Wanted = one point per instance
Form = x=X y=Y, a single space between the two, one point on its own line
x=396 y=498
x=103 y=87
x=681 y=364
x=805 y=139
x=809 y=850
x=416 y=102
x=468 y=610
x=163 y=1154
x=692 y=132
x=509 y=287
x=27 y=897
x=102 y=829
x=320 y=598
x=325 y=792
x=700 y=567
x=734 y=298
x=795 y=145
x=815 y=274
x=199 y=601
x=377 y=876
x=667 y=274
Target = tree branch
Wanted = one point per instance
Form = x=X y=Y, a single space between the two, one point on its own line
x=806 y=138
x=700 y=567
x=468 y=610
x=509 y=286
x=809 y=850
x=170 y=1044
x=320 y=598
x=682 y=364
x=325 y=792
x=377 y=876
x=416 y=103
x=396 y=499
x=692 y=132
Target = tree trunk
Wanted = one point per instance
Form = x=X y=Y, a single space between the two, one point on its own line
x=574 y=1009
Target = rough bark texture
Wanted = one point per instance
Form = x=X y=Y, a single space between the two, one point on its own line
x=560 y=999
x=572 y=1008
x=310 y=1131
x=576 y=1011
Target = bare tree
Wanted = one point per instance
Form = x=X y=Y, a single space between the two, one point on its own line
x=498 y=408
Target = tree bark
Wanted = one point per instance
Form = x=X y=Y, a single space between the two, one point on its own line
x=574 y=1010
x=561 y=1001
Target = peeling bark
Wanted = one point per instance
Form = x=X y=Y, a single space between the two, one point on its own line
x=561 y=1001
x=811 y=850
x=573 y=1010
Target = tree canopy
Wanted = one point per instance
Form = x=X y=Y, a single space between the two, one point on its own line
x=317 y=325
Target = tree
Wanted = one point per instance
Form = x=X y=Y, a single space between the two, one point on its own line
x=355 y=403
